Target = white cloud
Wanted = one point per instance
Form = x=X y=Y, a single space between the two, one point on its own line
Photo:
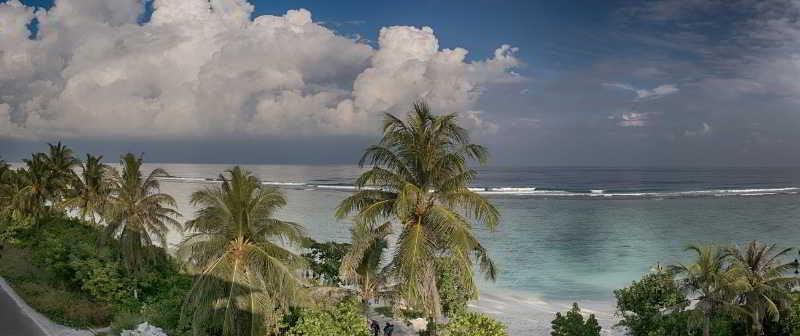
x=642 y=94
x=204 y=68
x=633 y=119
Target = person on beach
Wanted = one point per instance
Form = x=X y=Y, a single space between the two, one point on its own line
x=376 y=328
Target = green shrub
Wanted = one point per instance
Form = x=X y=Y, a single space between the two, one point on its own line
x=572 y=324
x=164 y=309
x=473 y=324
x=324 y=259
x=65 y=307
x=454 y=295
x=102 y=280
x=643 y=303
x=346 y=318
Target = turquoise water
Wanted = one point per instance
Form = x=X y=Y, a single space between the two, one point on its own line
x=555 y=249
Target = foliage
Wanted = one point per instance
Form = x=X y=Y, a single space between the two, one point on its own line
x=361 y=264
x=137 y=211
x=420 y=165
x=164 y=308
x=89 y=192
x=12 y=231
x=453 y=293
x=324 y=260
x=473 y=324
x=641 y=306
x=573 y=324
x=345 y=318
x=245 y=277
x=709 y=278
x=762 y=284
x=102 y=280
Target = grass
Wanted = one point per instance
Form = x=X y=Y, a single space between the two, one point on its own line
x=56 y=302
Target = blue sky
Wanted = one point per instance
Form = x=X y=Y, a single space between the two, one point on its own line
x=661 y=82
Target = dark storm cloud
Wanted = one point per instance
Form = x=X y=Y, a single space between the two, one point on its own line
x=690 y=87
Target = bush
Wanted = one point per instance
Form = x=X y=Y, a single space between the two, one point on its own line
x=102 y=280
x=645 y=304
x=65 y=307
x=346 y=318
x=473 y=324
x=572 y=324
x=164 y=310
x=324 y=260
x=454 y=295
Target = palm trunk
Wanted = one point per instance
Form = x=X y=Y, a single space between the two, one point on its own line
x=706 y=325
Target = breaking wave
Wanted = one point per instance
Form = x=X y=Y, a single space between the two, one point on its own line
x=534 y=192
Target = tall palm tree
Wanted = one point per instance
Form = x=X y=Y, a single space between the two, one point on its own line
x=41 y=186
x=138 y=212
x=361 y=265
x=762 y=282
x=708 y=279
x=90 y=190
x=245 y=275
x=15 y=200
x=60 y=161
x=418 y=180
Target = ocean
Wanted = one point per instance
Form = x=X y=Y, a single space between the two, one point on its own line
x=567 y=234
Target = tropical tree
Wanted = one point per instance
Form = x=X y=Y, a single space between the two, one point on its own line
x=762 y=283
x=60 y=161
x=40 y=187
x=418 y=181
x=137 y=212
x=90 y=190
x=245 y=276
x=708 y=279
x=361 y=265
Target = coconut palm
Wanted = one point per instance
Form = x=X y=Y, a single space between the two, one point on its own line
x=762 y=282
x=361 y=264
x=90 y=190
x=15 y=200
x=137 y=213
x=708 y=279
x=60 y=161
x=418 y=180
x=40 y=185
x=245 y=275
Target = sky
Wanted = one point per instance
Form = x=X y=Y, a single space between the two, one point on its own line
x=582 y=83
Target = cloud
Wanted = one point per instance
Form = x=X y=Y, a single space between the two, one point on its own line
x=641 y=94
x=633 y=119
x=204 y=68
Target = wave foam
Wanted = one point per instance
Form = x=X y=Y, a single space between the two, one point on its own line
x=533 y=191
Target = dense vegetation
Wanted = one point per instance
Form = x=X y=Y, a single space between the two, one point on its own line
x=85 y=243
x=747 y=290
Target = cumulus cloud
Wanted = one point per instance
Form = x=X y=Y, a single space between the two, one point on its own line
x=205 y=68
x=654 y=93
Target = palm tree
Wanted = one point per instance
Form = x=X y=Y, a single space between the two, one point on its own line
x=418 y=180
x=761 y=281
x=15 y=200
x=362 y=262
x=60 y=161
x=137 y=212
x=708 y=278
x=245 y=275
x=41 y=186
x=90 y=190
